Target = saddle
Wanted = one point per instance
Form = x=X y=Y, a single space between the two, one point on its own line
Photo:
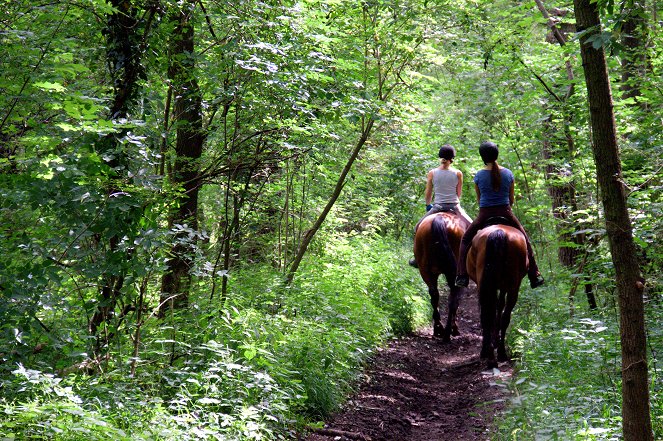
x=446 y=208
x=498 y=220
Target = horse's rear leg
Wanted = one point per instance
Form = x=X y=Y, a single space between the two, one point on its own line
x=452 y=314
x=438 y=329
x=487 y=303
x=511 y=299
x=497 y=326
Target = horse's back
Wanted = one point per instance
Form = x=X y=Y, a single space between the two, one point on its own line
x=424 y=238
x=455 y=228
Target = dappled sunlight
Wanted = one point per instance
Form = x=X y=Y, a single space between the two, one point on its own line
x=400 y=375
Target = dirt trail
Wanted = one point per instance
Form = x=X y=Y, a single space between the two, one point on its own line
x=419 y=389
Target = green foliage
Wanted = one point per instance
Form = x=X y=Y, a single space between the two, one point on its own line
x=251 y=370
x=286 y=88
x=567 y=384
x=43 y=406
x=335 y=317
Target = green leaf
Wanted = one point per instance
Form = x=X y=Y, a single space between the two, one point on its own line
x=45 y=85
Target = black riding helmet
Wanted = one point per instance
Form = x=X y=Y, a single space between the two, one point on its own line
x=488 y=151
x=447 y=152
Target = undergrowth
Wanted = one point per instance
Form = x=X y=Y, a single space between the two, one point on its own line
x=259 y=365
x=567 y=383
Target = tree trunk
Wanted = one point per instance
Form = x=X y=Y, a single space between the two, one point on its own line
x=561 y=184
x=124 y=58
x=175 y=283
x=306 y=240
x=635 y=386
x=230 y=238
x=633 y=59
x=561 y=189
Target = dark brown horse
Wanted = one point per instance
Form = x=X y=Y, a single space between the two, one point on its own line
x=436 y=244
x=497 y=262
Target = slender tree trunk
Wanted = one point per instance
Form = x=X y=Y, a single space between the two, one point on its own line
x=633 y=59
x=123 y=54
x=340 y=183
x=230 y=227
x=230 y=238
x=635 y=386
x=166 y=129
x=175 y=284
x=373 y=53
x=561 y=183
x=562 y=192
x=225 y=227
x=561 y=187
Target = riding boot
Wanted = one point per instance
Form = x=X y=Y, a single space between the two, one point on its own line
x=536 y=280
x=462 y=279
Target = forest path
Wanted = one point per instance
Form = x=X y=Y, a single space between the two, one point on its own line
x=420 y=389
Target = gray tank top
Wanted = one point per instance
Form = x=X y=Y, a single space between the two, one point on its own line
x=444 y=186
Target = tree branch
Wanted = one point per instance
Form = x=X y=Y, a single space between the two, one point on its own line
x=541 y=80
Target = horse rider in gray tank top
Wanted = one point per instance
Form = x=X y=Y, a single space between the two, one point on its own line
x=444 y=186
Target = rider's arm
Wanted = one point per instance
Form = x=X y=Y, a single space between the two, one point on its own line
x=459 y=186
x=478 y=192
x=429 y=188
x=512 y=197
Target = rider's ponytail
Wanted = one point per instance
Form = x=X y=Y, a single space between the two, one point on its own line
x=495 y=177
x=489 y=152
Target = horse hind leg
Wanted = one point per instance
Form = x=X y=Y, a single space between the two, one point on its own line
x=498 y=342
x=487 y=303
x=501 y=352
x=438 y=329
x=452 y=313
x=501 y=348
x=511 y=299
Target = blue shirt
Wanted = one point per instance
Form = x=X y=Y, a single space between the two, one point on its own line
x=490 y=197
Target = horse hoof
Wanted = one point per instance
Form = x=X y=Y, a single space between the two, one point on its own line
x=446 y=338
x=502 y=356
x=487 y=354
x=438 y=331
x=491 y=364
x=455 y=332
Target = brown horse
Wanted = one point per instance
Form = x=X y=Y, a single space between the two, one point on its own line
x=436 y=244
x=497 y=262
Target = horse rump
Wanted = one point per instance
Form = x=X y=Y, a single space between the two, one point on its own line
x=495 y=260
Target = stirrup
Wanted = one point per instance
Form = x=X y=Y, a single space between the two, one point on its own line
x=413 y=263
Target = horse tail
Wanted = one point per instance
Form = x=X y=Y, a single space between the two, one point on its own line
x=494 y=265
x=442 y=252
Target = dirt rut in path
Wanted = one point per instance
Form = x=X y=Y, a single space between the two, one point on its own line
x=420 y=389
